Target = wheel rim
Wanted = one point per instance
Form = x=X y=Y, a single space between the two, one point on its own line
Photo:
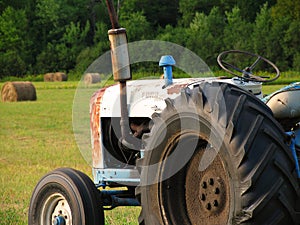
x=56 y=211
x=197 y=197
x=207 y=193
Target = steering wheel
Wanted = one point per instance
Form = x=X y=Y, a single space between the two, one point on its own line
x=247 y=73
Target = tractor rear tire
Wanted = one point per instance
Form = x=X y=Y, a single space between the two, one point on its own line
x=65 y=196
x=215 y=156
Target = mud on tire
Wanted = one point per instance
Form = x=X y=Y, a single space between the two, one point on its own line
x=216 y=155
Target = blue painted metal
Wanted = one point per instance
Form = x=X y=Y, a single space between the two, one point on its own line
x=293 y=149
x=297 y=138
x=59 y=221
x=115 y=198
x=167 y=61
x=290 y=87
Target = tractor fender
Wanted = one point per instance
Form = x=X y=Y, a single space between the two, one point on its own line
x=285 y=104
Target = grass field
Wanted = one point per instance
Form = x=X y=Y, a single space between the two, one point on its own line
x=37 y=137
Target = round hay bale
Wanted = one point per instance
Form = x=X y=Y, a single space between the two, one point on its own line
x=92 y=78
x=18 y=91
x=59 y=76
x=48 y=77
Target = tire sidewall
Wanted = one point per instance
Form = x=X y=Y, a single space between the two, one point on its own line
x=171 y=129
x=53 y=184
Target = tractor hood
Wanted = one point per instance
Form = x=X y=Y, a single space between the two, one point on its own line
x=145 y=97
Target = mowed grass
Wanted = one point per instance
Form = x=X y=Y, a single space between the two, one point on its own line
x=36 y=138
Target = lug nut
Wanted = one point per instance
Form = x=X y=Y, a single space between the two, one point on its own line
x=203 y=198
x=216 y=203
x=208 y=206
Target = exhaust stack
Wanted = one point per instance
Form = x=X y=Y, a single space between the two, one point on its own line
x=119 y=54
x=121 y=71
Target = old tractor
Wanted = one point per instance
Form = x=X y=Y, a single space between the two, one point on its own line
x=196 y=150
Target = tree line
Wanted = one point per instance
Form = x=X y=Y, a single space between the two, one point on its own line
x=39 y=36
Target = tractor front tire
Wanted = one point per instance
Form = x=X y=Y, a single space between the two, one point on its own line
x=215 y=156
x=65 y=196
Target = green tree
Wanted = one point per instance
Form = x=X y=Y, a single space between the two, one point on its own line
x=161 y=13
x=91 y=53
x=286 y=14
x=53 y=16
x=176 y=34
x=134 y=20
x=47 y=21
x=46 y=60
x=13 y=25
x=291 y=43
x=286 y=8
x=262 y=32
x=64 y=31
x=16 y=4
x=136 y=25
x=43 y=35
x=96 y=13
x=189 y=8
x=206 y=35
x=71 y=44
x=62 y=54
x=249 y=9
x=237 y=32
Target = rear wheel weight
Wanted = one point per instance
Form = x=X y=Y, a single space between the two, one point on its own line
x=246 y=181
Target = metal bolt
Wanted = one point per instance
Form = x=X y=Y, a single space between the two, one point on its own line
x=208 y=206
x=203 y=198
x=216 y=203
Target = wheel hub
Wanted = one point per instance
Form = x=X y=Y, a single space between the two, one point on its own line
x=59 y=220
x=62 y=213
x=56 y=211
x=207 y=193
x=211 y=193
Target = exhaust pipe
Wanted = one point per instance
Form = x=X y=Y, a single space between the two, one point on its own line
x=121 y=72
